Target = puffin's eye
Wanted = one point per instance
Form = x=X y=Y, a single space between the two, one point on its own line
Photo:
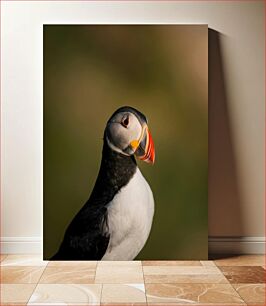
x=125 y=121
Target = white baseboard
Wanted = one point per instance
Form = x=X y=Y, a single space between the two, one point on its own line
x=217 y=245
x=21 y=245
x=236 y=245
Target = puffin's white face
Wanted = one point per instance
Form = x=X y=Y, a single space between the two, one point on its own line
x=127 y=133
x=122 y=130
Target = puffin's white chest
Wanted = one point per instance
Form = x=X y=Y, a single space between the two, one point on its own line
x=130 y=217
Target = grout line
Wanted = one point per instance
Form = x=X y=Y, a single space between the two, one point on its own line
x=95 y=271
x=222 y=273
x=173 y=283
x=243 y=284
x=144 y=281
x=36 y=284
x=237 y=293
x=101 y=293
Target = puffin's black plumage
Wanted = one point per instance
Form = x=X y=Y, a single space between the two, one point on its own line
x=87 y=237
x=131 y=110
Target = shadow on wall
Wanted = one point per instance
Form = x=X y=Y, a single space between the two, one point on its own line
x=225 y=218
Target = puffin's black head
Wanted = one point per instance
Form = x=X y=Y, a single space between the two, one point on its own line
x=127 y=133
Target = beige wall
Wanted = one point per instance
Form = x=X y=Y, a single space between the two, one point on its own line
x=236 y=105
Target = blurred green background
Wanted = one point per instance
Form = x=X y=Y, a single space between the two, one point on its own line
x=162 y=70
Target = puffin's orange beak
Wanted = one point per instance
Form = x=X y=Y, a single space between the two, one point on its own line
x=149 y=155
x=146 y=150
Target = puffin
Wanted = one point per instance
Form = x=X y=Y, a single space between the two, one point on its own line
x=115 y=222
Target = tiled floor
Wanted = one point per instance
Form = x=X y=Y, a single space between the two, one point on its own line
x=28 y=280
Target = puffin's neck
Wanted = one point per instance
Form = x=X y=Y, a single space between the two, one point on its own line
x=116 y=170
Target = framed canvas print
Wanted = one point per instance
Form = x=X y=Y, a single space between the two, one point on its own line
x=125 y=142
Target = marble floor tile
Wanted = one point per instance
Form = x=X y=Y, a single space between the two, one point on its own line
x=24 y=260
x=123 y=293
x=244 y=274
x=183 y=274
x=119 y=272
x=73 y=294
x=133 y=263
x=180 y=270
x=68 y=275
x=241 y=260
x=14 y=304
x=251 y=293
x=127 y=304
x=16 y=293
x=73 y=263
x=21 y=275
x=171 y=263
x=208 y=263
x=192 y=293
x=195 y=304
